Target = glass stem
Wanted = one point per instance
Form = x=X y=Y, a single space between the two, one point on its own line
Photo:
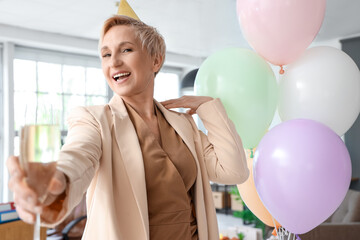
x=37 y=227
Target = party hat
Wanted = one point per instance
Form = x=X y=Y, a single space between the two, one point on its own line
x=125 y=9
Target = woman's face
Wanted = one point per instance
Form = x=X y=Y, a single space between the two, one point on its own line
x=128 y=69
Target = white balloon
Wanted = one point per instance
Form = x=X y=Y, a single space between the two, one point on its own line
x=322 y=85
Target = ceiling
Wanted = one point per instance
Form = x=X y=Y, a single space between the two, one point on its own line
x=190 y=27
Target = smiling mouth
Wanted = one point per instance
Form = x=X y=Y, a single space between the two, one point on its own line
x=121 y=76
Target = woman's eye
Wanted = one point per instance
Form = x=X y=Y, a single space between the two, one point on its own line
x=127 y=50
x=106 y=55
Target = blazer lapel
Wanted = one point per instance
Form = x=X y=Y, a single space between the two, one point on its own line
x=130 y=150
x=185 y=130
x=129 y=147
x=181 y=125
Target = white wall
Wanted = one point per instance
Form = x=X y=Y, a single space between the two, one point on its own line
x=59 y=42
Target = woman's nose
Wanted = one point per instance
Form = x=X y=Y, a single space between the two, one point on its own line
x=116 y=60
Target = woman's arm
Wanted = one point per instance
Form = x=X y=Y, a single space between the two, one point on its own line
x=78 y=160
x=222 y=148
x=191 y=102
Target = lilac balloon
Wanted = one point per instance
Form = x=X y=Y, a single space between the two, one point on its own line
x=302 y=171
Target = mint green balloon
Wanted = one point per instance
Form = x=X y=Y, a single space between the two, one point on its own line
x=247 y=87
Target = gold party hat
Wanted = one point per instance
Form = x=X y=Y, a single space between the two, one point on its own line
x=125 y=9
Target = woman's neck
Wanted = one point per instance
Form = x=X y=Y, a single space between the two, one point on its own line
x=144 y=106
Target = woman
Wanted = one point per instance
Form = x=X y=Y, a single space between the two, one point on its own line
x=146 y=170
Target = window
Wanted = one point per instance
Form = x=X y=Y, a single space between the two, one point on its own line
x=167 y=85
x=47 y=85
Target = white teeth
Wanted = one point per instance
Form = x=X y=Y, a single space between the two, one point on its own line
x=121 y=75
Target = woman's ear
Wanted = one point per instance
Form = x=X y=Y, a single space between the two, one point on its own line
x=157 y=63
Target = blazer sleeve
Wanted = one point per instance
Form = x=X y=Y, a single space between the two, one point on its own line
x=78 y=160
x=223 y=151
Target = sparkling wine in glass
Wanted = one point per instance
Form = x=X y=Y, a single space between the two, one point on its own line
x=39 y=149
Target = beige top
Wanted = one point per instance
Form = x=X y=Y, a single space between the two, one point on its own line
x=102 y=157
x=170 y=174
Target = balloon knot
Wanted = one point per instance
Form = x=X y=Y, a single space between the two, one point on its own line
x=281 y=70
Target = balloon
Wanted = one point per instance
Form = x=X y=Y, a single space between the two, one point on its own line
x=302 y=171
x=280 y=30
x=246 y=86
x=323 y=85
x=251 y=198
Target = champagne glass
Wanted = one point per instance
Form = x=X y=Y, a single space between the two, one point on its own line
x=39 y=150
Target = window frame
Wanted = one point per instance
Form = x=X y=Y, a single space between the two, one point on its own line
x=62 y=58
x=2 y=162
x=8 y=119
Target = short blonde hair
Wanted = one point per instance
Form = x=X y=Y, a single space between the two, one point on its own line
x=149 y=37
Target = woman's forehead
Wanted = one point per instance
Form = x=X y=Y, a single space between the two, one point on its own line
x=120 y=33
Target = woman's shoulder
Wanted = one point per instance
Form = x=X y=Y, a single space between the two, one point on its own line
x=98 y=108
x=95 y=112
x=90 y=109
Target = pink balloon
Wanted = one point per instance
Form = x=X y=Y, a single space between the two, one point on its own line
x=280 y=30
x=302 y=171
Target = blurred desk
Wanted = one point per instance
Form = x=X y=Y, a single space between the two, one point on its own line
x=19 y=230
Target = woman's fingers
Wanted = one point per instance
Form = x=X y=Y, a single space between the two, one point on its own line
x=57 y=184
x=23 y=192
x=17 y=183
x=190 y=112
x=26 y=200
x=24 y=197
x=25 y=215
x=56 y=187
x=172 y=103
x=192 y=102
x=182 y=102
x=27 y=205
x=14 y=168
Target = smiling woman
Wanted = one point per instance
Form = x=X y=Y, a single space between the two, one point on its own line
x=123 y=58
x=124 y=39
x=146 y=169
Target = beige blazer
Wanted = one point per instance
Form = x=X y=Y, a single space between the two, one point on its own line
x=102 y=157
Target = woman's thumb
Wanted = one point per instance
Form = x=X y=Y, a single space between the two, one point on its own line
x=57 y=184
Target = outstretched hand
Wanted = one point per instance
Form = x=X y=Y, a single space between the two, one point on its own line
x=191 y=102
x=25 y=198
